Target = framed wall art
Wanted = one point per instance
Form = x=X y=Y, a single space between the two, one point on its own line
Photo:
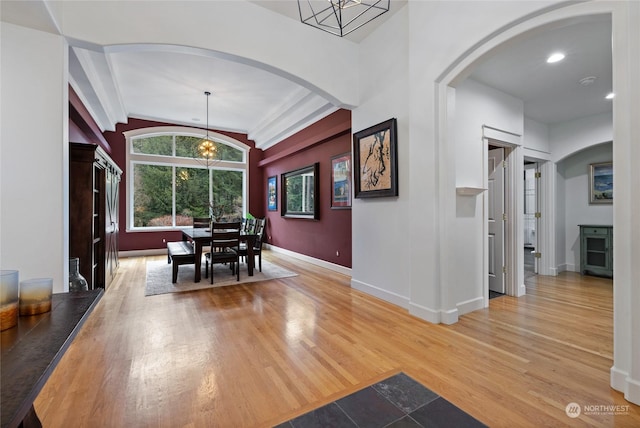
x=601 y=183
x=341 y=181
x=375 y=161
x=272 y=193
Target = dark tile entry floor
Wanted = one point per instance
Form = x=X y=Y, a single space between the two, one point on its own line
x=397 y=402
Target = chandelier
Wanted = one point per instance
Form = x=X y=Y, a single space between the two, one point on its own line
x=207 y=150
x=340 y=17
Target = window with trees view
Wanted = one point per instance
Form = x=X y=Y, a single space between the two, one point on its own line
x=170 y=183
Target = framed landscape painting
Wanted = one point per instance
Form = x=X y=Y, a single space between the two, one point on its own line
x=341 y=181
x=375 y=161
x=272 y=193
x=601 y=183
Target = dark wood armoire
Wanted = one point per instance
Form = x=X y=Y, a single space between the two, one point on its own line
x=94 y=180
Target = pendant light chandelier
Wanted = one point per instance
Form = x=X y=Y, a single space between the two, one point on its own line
x=340 y=17
x=207 y=149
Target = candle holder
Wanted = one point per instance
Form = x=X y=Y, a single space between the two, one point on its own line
x=8 y=299
x=35 y=296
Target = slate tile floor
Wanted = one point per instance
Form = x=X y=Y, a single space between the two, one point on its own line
x=396 y=402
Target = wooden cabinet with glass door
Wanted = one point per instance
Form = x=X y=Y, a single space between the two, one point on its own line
x=596 y=250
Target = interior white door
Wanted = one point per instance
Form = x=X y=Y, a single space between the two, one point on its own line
x=495 y=192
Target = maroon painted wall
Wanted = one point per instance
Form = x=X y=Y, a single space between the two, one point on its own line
x=331 y=233
x=152 y=240
x=319 y=142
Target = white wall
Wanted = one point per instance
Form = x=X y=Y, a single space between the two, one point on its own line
x=574 y=177
x=440 y=34
x=571 y=137
x=569 y=142
x=536 y=140
x=477 y=105
x=380 y=229
x=34 y=155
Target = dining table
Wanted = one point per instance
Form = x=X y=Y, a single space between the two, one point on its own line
x=201 y=236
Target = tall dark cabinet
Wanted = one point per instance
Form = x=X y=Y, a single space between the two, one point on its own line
x=94 y=181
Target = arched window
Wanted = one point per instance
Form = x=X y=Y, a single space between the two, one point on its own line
x=169 y=183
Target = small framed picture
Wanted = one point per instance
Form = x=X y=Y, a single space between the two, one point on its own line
x=341 y=181
x=272 y=193
x=375 y=161
x=601 y=183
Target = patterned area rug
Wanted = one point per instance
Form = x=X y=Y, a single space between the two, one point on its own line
x=159 y=277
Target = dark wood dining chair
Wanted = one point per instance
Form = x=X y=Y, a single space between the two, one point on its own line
x=259 y=228
x=201 y=222
x=225 y=240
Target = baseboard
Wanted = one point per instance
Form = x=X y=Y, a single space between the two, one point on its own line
x=322 y=263
x=632 y=393
x=470 y=305
x=425 y=313
x=385 y=295
x=620 y=381
x=142 y=253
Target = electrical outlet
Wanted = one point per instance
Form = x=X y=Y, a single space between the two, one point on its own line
x=164 y=241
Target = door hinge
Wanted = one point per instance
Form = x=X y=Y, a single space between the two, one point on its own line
x=537 y=255
x=538 y=175
x=504 y=269
x=504 y=217
x=504 y=163
x=538 y=215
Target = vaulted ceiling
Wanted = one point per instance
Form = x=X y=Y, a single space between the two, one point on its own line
x=157 y=82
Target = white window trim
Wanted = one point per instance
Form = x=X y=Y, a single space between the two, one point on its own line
x=134 y=158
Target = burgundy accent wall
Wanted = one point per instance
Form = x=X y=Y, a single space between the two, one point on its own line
x=319 y=142
x=331 y=233
x=153 y=240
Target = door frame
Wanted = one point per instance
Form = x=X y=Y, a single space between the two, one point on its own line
x=514 y=208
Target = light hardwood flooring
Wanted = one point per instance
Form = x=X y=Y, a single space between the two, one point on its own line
x=258 y=354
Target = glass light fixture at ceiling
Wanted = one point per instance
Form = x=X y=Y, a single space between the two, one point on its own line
x=207 y=149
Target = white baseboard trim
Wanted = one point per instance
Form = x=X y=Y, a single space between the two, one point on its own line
x=632 y=393
x=470 y=305
x=385 y=295
x=572 y=268
x=522 y=290
x=142 y=253
x=618 y=379
x=425 y=313
x=449 y=317
x=322 y=263
x=621 y=381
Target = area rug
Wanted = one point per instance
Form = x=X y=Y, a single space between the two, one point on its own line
x=159 y=277
x=398 y=401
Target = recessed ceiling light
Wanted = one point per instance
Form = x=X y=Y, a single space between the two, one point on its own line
x=610 y=96
x=555 y=57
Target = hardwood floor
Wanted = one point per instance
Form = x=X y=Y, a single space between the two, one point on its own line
x=259 y=354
